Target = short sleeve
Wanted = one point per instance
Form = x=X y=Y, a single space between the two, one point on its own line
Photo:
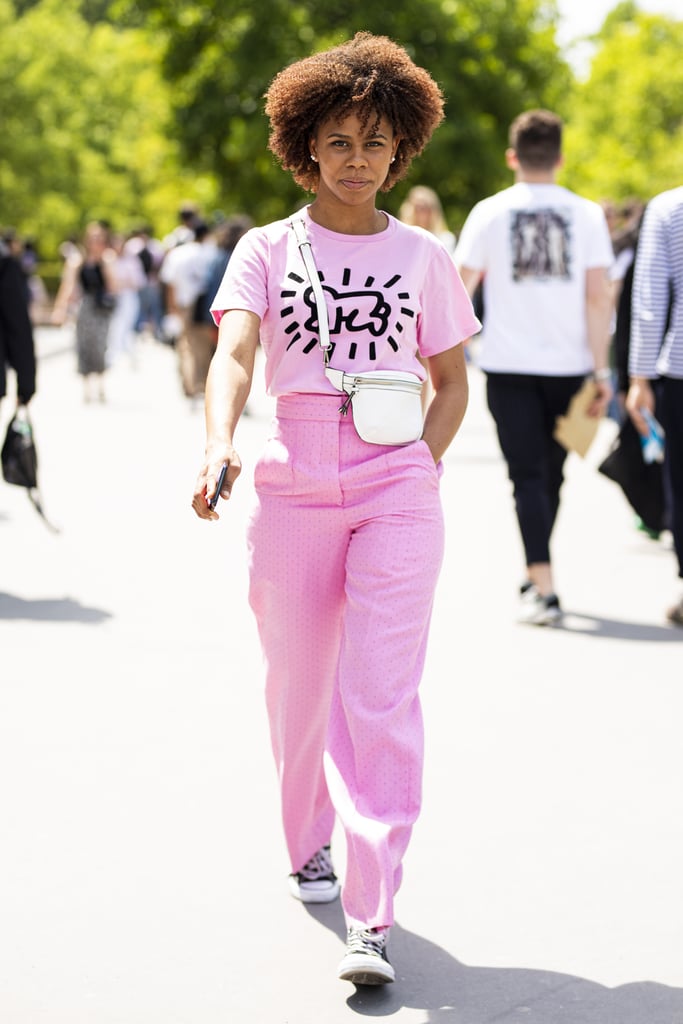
x=447 y=317
x=245 y=282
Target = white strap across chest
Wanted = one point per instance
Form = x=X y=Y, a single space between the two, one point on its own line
x=306 y=251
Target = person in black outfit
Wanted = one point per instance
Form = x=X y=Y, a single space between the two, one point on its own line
x=17 y=348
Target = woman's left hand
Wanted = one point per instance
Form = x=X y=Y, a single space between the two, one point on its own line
x=448 y=375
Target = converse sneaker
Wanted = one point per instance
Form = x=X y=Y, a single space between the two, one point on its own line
x=366 y=961
x=316 y=881
x=537 y=609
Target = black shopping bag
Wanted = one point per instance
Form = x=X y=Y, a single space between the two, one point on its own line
x=19 y=456
x=641 y=482
x=20 y=460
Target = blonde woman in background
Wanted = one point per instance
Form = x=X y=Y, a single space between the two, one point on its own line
x=422 y=208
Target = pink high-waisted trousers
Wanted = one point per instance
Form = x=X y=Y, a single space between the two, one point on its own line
x=345 y=548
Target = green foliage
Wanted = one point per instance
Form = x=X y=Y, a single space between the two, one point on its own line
x=122 y=108
x=84 y=112
x=92 y=11
x=491 y=59
x=625 y=136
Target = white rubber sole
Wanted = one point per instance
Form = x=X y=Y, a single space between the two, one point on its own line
x=364 y=969
x=538 y=615
x=313 y=892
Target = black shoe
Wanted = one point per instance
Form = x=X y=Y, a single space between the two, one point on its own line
x=366 y=961
x=316 y=881
x=539 y=610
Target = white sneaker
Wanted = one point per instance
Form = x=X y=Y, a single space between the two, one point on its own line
x=366 y=961
x=316 y=881
x=539 y=610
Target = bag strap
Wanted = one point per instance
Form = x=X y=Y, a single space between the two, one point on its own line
x=299 y=229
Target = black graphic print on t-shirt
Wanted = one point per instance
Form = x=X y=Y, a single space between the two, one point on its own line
x=541 y=244
x=370 y=314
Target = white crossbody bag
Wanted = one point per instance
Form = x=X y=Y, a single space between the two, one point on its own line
x=387 y=404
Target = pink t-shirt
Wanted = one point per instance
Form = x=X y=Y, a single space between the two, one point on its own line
x=389 y=297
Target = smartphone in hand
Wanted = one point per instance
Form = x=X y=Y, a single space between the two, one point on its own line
x=219 y=484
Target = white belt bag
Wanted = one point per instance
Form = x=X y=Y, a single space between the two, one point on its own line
x=387 y=407
x=387 y=404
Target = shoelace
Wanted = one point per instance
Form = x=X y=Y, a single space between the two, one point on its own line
x=319 y=866
x=366 y=941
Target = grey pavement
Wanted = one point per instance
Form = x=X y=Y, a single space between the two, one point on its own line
x=142 y=866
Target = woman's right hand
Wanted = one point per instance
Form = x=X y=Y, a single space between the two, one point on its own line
x=205 y=486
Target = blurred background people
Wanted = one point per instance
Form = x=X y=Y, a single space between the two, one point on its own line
x=129 y=278
x=150 y=252
x=625 y=229
x=17 y=350
x=226 y=237
x=188 y=218
x=422 y=208
x=185 y=272
x=89 y=280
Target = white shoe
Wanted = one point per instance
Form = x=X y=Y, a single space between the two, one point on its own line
x=537 y=609
x=316 y=881
x=366 y=961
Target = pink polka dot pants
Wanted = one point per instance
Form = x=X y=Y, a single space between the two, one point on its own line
x=345 y=543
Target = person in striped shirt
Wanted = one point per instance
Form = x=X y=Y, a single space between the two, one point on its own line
x=656 y=350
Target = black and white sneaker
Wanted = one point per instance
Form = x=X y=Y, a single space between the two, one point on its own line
x=674 y=615
x=316 y=881
x=366 y=961
x=537 y=609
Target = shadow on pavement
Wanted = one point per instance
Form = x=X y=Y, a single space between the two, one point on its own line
x=614 y=629
x=50 y=609
x=449 y=992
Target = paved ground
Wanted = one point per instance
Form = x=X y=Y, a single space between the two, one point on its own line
x=143 y=869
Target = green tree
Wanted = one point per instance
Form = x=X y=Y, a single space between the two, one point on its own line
x=84 y=109
x=491 y=58
x=625 y=134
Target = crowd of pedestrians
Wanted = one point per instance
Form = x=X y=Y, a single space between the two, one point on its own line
x=573 y=291
x=115 y=288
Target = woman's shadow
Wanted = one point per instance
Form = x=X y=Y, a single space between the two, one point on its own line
x=449 y=992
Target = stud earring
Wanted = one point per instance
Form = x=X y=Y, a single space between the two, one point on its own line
x=314 y=158
x=392 y=159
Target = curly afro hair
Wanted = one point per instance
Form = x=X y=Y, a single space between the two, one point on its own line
x=368 y=75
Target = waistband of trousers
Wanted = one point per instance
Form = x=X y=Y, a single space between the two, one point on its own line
x=310 y=407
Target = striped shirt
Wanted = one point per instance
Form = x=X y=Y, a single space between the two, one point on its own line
x=657 y=349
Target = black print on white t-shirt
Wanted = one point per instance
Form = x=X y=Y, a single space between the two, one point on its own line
x=541 y=245
x=370 y=309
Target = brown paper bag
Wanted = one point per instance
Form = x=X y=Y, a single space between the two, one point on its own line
x=576 y=431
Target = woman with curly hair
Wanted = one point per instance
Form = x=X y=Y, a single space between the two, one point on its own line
x=346 y=537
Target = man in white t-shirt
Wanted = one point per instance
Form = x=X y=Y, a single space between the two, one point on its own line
x=542 y=254
x=185 y=272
